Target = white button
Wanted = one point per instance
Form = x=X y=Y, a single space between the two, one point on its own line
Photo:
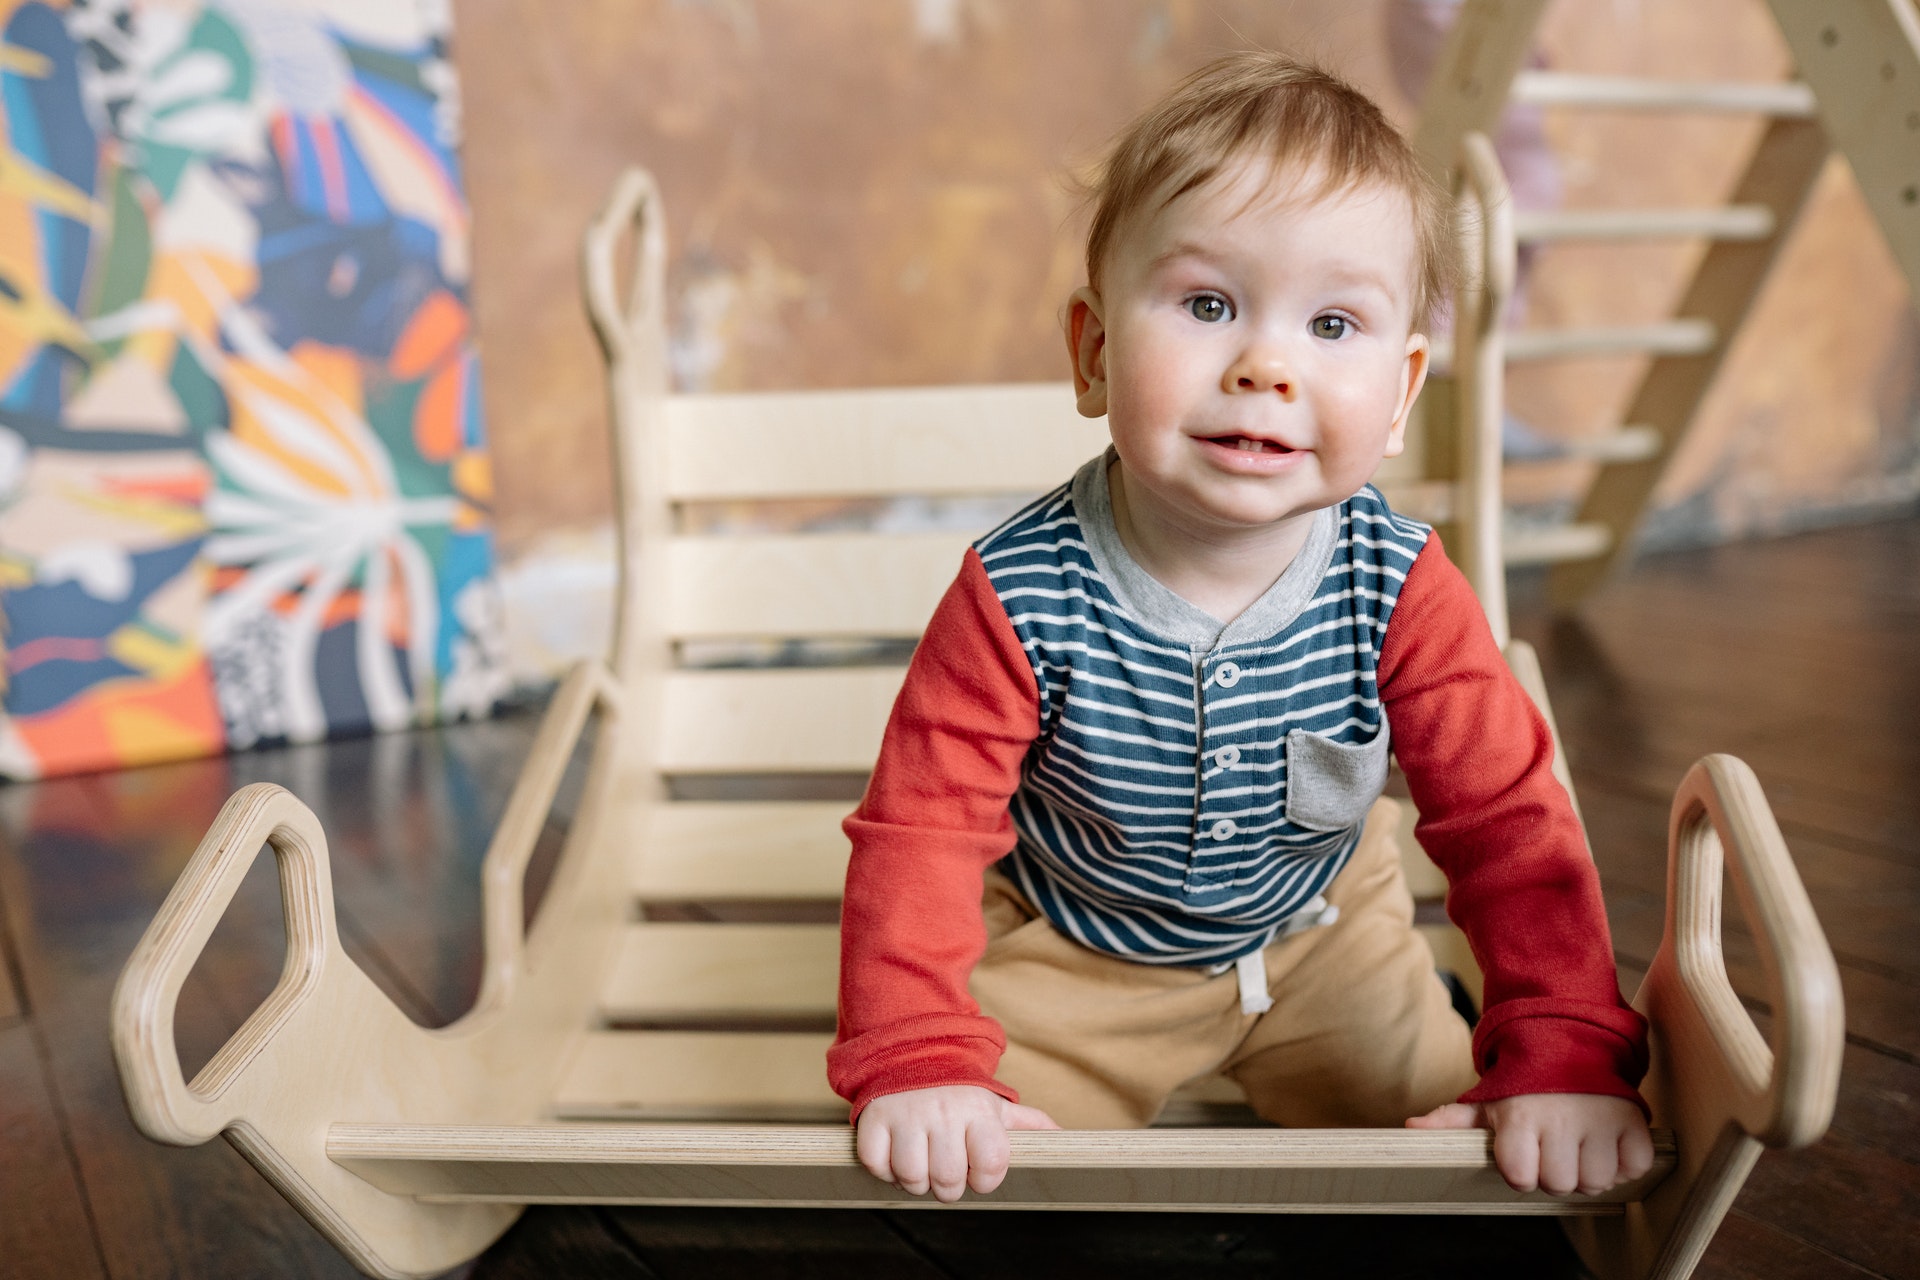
x=1224 y=829
x=1227 y=756
x=1227 y=675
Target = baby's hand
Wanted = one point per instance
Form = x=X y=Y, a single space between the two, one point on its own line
x=951 y=1137
x=1559 y=1142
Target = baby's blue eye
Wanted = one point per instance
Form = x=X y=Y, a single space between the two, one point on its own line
x=1210 y=308
x=1330 y=326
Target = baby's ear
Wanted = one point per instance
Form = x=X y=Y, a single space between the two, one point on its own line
x=1413 y=372
x=1087 y=348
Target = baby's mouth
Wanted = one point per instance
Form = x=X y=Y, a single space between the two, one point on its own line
x=1247 y=444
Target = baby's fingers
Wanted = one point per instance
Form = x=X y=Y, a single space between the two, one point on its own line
x=1599 y=1164
x=1451 y=1115
x=1516 y=1154
x=1636 y=1152
x=947 y=1162
x=909 y=1161
x=873 y=1143
x=1561 y=1165
x=987 y=1155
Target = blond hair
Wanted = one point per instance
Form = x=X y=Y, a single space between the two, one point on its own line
x=1288 y=113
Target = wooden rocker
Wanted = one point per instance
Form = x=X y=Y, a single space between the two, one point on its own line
x=611 y=1058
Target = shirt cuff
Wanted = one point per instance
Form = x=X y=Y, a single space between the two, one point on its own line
x=1558 y=1046
x=918 y=1053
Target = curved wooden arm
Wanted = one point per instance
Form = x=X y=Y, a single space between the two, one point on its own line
x=503 y=872
x=635 y=202
x=1496 y=262
x=634 y=337
x=1479 y=369
x=1782 y=1094
x=163 y=1104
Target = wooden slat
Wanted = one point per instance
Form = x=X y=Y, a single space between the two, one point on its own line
x=742 y=970
x=990 y=439
x=742 y=850
x=671 y=1075
x=1733 y=222
x=850 y=584
x=1681 y=337
x=734 y=971
x=1632 y=93
x=1558 y=544
x=723 y=970
x=1632 y=443
x=1666 y=337
x=775 y=721
x=1247 y=1170
x=757 y=1075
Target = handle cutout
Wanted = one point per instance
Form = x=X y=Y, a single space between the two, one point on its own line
x=304 y=936
x=244 y=960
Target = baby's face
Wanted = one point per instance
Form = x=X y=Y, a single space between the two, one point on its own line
x=1254 y=356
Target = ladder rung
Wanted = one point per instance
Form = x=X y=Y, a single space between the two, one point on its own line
x=1632 y=93
x=1735 y=222
x=1627 y=444
x=1684 y=337
x=1556 y=543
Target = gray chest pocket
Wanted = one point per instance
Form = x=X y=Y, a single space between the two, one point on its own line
x=1331 y=785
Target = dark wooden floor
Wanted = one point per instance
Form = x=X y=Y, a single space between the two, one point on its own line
x=1803 y=656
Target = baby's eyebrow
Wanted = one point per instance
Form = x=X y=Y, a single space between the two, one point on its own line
x=1366 y=278
x=1183 y=249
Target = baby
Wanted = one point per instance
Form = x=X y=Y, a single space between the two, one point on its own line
x=1151 y=717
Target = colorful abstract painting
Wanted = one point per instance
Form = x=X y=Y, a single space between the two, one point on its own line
x=244 y=489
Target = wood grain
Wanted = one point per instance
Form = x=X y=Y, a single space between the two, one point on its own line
x=46 y=1233
x=1250 y=1170
x=761 y=849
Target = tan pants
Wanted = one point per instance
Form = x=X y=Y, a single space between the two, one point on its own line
x=1361 y=1032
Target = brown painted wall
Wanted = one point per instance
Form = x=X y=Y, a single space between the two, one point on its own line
x=874 y=192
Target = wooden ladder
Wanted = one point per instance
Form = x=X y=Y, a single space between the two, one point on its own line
x=1859 y=92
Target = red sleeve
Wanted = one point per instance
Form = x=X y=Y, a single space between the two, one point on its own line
x=934 y=817
x=1522 y=887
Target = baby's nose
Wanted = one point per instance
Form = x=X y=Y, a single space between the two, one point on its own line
x=1260 y=373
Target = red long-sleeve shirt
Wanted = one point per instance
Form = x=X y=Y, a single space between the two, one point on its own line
x=1477 y=756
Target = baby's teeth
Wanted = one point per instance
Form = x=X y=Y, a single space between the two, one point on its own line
x=1249 y=446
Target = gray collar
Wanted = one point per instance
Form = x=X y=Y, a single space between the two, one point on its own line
x=1170 y=615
